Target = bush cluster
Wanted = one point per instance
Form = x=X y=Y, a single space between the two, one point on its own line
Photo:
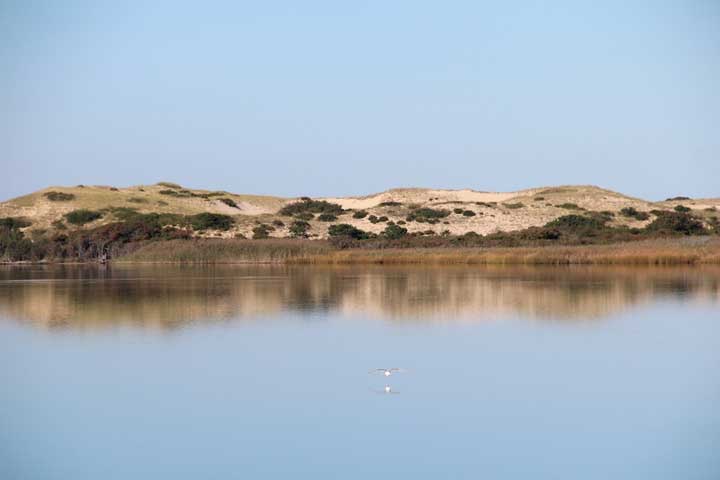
x=307 y=205
x=82 y=216
x=360 y=214
x=631 y=212
x=326 y=217
x=229 y=202
x=54 y=196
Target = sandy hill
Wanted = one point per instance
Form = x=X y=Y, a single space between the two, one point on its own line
x=480 y=212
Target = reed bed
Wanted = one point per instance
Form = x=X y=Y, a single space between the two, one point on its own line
x=676 y=251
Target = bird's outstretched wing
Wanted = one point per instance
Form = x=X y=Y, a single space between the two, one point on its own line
x=375 y=370
x=398 y=370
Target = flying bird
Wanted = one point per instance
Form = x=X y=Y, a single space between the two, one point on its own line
x=387 y=390
x=387 y=371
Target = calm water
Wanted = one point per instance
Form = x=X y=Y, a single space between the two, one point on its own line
x=240 y=372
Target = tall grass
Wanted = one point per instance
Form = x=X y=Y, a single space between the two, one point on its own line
x=678 y=251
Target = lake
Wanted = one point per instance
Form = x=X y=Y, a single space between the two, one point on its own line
x=261 y=372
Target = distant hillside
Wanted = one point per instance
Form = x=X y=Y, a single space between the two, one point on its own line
x=462 y=210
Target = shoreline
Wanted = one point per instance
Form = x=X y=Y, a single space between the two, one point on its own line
x=658 y=252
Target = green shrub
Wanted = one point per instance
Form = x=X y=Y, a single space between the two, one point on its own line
x=681 y=208
x=345 y=230
x=261 y=231
x=299 y=228
x=569 y=206
x=307 y=205
x=394 y=232
x=304 y=216
x=360 y=214
x=278 y=223
x=13 y=244
x=401 y=222
x=82 y=216
x=514 y=206
x=458 y=211
x=229 y=202
x=373 y=219
x=576 y=223
x=59 y=225
x=427 y=214
x=59 y=196
x=468 y=213
x=674 y=199
x=326 y=217
x=676 y=223
x=633 y=213
x=390 y=204
x=210 y=221
x=169 y=185
x=539 y=199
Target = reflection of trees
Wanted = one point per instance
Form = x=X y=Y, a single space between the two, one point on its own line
x=88 y=296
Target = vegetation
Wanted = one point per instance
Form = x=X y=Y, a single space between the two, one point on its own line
x=681 y=208
x=390 y=204
x=360 y=214
x=326 y=217
x=346 y=230
x=169 y=185
x=468 y=213
x=513 y=206
x=229 y=202
x=210 y=221
x=673 y=199
x=393 y=232
x=299 y=229
x=631 y=212
x=569 y=206
x=307 y=205
x=261 y=231
x=82 y=216
x=54 y=196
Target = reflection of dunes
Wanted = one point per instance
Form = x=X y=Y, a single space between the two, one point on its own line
x=167 y=297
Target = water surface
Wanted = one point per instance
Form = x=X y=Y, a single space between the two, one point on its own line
x=261 y=372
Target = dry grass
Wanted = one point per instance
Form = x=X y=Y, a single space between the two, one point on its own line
x=680 y=251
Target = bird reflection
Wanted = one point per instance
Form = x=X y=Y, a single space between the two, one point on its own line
x=387 y=390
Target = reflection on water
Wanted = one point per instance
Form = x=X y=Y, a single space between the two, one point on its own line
x=168 y=296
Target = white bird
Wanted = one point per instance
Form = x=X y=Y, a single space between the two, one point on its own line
x=387 y=371
x=386 y=390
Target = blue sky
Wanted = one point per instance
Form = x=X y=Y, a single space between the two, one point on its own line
x=329 y=98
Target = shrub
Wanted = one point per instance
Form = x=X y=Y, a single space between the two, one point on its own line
x=261 y=231
x=633 y=213
x=576 y=223
x=13 y=244
x=59 y=225
x=210 y=221
x=468 y=213
x=299 y=228
x=394 y=231
x=59 y=196
x=539 y=199
x=326 y=217
x=513 y=206
x=426 y=214
x=345 y=230
x=569 y=206
x=401 y=222
x=390 y=204
x=383 y=219
x=229 y=202
x=169 y=185
x=360 y=214
x=673 y=199
x=373 y=219
x=681 y=208
x=82 y=216
x=113 y=189
x=676 y=223
x=312 y=206
x=305 y=216
x=458 y=210
x=278 y=223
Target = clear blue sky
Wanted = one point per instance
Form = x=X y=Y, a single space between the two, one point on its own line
x=328 y=97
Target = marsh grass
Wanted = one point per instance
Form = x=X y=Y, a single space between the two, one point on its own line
x=677 y=251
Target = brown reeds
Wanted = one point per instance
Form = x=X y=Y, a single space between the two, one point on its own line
x=676 y=251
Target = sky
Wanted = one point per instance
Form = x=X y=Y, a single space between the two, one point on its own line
x=325 y=98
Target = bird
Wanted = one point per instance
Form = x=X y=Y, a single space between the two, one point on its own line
x=386 y=390
x=387 y=371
